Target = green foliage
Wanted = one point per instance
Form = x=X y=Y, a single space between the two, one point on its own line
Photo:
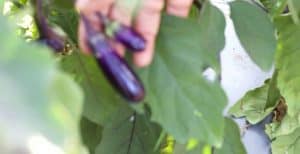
x=275 y=7
x=101 y=101
x=181 y=113
x=287 y=62
x=232 y=142
x=259 y=38
x=294 y=10
x=65 y=4
x=211 y=35
x=181 y=100
x=192 y=148
x=285 y=131
x=67 y=19
x=287 y=143
x=296 y=5
x=273 y=92
x=252 y=105
x=43 y=98
x=231 y=145
x=284 y=127
x=129 y=132
x=91 y=134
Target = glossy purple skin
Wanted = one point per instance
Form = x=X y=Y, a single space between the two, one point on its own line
x=121 y=76
x=56 y=44
x=124 y=34
x=117 y=71
x=47 y=35
x=130 y=38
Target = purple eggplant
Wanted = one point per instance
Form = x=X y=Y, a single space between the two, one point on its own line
x=123 y=34
x=116 y=69
x=54 y=43
x=47 y=35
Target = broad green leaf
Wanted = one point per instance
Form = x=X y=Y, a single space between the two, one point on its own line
x=129 y=133
x=101 y=100
x=232 y=140
x=287 y=144
x=287 y=62
x=285 y=127
x=212 y=37
x=255 y=31
x=193 y=147
x=91 y=134
x=252 y=105
x=41 y=97
x=296 y=5
x=231 y=145
x=181 y=100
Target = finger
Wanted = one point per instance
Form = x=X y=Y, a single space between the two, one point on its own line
x=147 y=24
x=179 y=7
x=123 y=16
x=88 y=8
x=82 y=38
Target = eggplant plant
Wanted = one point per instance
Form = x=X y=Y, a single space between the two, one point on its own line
x=115 y=68
x=169 y=107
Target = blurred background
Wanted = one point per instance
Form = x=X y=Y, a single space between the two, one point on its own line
x=24 y=70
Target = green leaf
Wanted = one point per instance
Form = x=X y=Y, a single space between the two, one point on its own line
x=129 y=133
x=287 y=143
x=231 y=145
x=285 y=127
x=212 y=39
x=296 y=5
x=42 y=98
x=66 y=4
x=67 y=19
x=252 y=105
x=275 y=7
x=181 y=100
x=232 y=140
x=273 y=92
x=91 y=134
x=287 y=62
x=255 y=31
x=192 y=147
x=101 y=101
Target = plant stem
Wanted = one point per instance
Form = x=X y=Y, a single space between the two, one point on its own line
x=160 y=139
x=293 y=12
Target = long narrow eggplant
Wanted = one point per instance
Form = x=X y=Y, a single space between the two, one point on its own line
x=47 y=35
x=123 y=34
x=116 y=69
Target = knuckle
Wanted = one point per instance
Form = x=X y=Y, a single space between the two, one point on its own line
x=180 y=4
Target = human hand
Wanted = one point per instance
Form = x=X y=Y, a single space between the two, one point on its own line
x=146 y=22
